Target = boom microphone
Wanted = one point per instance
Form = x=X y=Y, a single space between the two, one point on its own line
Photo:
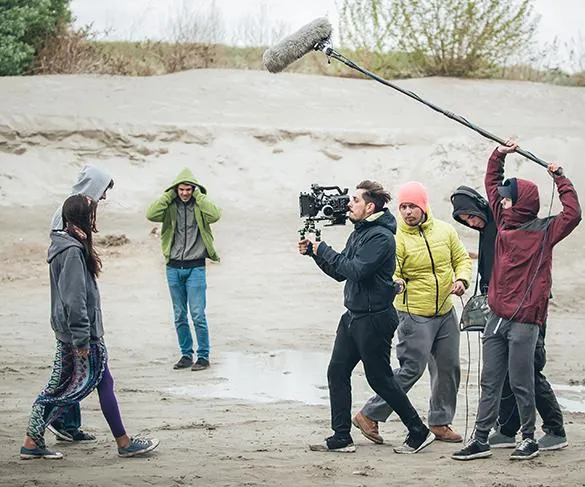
x=296 y=45
x=316 y=36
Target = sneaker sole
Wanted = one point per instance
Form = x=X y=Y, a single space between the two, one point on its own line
x=26 y=456
x=475 y=456
x=558 y=446
x=527 y=457
x=378 y=441
x=323 y=448
x=503 y=445
x=59 y=435
x=140 y=452
x=428 y=440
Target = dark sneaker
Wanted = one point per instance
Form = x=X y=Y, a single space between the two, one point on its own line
x=550 y=442
x=335 y=444
x=80 y=435
x=473 y=450
x=183 y=363
x=415 y=443
x=526 y=450
x=138 y=446
x=31 y=453
x=499 y=440
x=202 y=363
x=59 y=432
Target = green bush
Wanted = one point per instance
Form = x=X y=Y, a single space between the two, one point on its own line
x=25 y=25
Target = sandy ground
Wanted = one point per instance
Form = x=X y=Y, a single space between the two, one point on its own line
x=256 y=140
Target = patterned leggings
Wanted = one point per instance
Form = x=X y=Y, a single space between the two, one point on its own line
x=72 y=379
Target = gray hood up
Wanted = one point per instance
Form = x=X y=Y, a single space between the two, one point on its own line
x=92 y=181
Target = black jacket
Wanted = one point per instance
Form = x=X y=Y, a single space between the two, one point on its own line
x=477 y=205
x=367 y=264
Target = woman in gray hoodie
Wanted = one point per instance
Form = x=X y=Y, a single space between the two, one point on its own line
x=81 y=358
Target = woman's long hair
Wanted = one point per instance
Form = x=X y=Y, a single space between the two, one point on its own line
x=79 y=215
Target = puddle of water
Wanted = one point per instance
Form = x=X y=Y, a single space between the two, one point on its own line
x=289 y=375
x=571 y=398
x=284 y=375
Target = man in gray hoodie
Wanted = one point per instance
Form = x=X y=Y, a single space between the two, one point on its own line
x=94 y=182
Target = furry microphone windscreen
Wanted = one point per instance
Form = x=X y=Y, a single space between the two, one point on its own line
x=296 y=45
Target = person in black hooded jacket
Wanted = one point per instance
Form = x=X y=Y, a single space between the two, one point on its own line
x=471 y=209
x=366 y=329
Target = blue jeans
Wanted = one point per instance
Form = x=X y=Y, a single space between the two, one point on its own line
x=188 y=288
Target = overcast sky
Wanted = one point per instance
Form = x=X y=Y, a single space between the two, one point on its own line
x=140 y=19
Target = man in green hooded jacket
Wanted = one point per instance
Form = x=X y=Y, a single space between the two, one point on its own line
x=186 y=214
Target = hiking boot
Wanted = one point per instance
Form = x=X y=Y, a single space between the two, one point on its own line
x=473 y=450
x=499 y=440
x=526 y=450
x=335 y=444
x=31 y=453
x=416 y=442
x=138 y=446
x=59 y=432
x=446 y=433
x=550 y=442
x=183 y=363
x=201 y=364
x=368 y=427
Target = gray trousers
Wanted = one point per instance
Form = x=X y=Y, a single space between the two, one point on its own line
x=508 y=347
x=426 y=341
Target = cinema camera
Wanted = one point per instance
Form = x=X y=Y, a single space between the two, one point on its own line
x=322 y=203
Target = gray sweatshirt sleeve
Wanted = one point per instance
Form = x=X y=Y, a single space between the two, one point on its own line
x=73 y=291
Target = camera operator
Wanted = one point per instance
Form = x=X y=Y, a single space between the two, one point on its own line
x=366 y=329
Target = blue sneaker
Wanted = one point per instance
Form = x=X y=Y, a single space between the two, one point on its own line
x=138 y=446
x=30 y=453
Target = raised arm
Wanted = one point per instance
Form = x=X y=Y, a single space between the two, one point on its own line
x=494 y=176
x=156 y=211
x=566 y=221
x=211 y=213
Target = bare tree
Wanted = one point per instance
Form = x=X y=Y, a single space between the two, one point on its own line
x=259 y=29
x=203 y=25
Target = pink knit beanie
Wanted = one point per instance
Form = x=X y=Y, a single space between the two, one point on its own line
x=414 y=193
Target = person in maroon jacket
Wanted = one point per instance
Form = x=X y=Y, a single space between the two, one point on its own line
x=518 y=296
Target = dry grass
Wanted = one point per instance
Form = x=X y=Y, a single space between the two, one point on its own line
x=77 y=51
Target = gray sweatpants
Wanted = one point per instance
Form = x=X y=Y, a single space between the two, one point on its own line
x=421 y=341
x=508 y=347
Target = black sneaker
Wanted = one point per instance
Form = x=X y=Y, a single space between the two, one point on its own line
x=526 y=450
x=416 y=442
x=474 y=449
x=335 y=444
x=201 y=364
x=59 y=432
x=80 y=435
x=183 y=363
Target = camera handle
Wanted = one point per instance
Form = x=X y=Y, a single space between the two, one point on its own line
x=310 y=228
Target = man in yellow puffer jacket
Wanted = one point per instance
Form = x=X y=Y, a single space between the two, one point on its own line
x=432 y=264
